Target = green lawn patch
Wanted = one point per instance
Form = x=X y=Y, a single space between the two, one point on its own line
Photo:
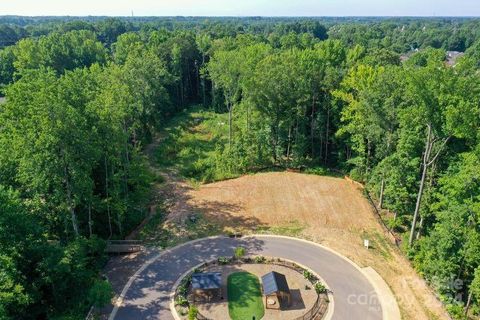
x=191 y=143
x=292 y=228
x=244 y=297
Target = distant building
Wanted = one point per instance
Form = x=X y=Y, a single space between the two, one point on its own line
x=2 y=100
x=452 y=57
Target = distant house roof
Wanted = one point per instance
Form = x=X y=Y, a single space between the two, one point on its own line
x=207 y=280
x=274 y=282
x=452 y=57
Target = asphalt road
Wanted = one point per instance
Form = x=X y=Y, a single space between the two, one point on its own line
x=149 y=295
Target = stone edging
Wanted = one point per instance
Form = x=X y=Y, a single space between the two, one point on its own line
x=331 y=302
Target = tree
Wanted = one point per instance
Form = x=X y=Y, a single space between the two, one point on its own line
x=59 y=52
x=474 y=289
x=279 y=88
x=7 y=57
x=224 y=70
x=204 y=43
x=436 y=94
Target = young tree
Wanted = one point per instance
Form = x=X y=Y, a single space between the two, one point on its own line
x=204 y=43
x=225 y=69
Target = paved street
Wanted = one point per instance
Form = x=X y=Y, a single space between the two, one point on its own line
x=149 y=295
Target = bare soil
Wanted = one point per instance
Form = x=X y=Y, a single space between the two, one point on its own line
x=329 y=211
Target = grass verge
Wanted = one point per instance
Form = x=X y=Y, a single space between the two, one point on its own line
x=244 y=297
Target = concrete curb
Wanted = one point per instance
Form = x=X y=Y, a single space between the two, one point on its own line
x=119 y=301
x=327 y=316
x=388 y=302
x=390 y=309
x=175 y=286
x=385 y=295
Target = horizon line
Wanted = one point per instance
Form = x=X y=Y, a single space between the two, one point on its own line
x=238 y=16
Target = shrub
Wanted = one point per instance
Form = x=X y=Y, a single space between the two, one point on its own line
x=100 y=293
x=182 y=288
x=223 y=260
x=260 y=259
x=239 y=252
x=456 y=311
x=320 y=288
x=181 y=301
x=192 y=312
x=308 y=275
x=319 y=171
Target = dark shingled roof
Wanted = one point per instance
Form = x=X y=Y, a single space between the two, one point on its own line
x=207 y=280
x=274 y=282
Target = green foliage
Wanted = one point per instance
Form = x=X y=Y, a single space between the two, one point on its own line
x=244 y=296
x=84 y=96
x=193 y=145
x=260 y=259
x=58 y=51
x=192 y=312
x=320 y=288
x=224 y=260
x=239 y=252
x=308 y=275
x=100 y=294
x=181 y=301
x=475 y=285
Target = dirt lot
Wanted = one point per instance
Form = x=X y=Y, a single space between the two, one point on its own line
x=330 y=211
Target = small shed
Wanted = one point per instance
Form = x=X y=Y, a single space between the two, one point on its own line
x=206 y=286
x=276 y=290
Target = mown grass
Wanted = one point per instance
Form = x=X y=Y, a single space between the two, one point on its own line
x=378 y=243
x=292 y=229
x=244 y=297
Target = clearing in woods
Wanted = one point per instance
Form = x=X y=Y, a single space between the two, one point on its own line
x=330 y=211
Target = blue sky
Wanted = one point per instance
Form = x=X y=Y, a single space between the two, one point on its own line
x=243 y=7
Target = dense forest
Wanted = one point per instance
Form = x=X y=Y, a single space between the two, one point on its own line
x=378 y=99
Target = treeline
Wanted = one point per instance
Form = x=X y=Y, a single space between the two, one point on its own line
x=410 y=131
x=397 y=34
x=72 y=172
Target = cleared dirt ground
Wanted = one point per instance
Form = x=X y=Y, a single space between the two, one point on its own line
x=330 y=211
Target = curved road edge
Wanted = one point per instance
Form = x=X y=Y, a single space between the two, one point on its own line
x=331 y=303
x=391 y=310
x=119 y=300
x=389 y=304
x=385 y=295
